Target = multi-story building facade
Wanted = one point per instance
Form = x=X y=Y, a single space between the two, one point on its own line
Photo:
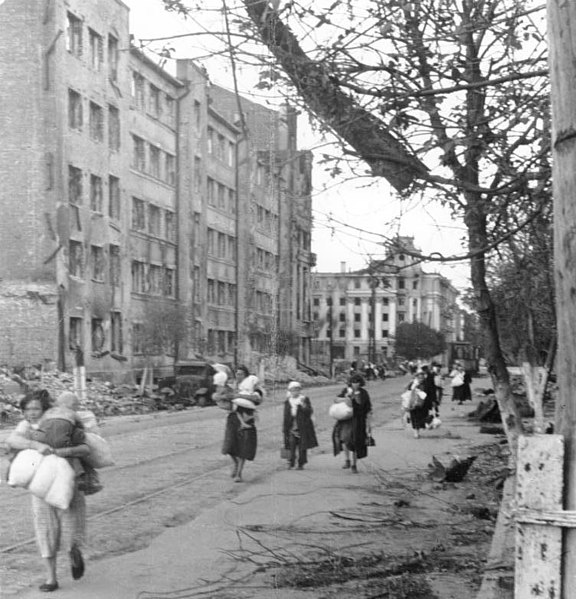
x=131 y=195
x=356 y=313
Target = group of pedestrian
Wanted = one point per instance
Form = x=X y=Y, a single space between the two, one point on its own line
x=351 y=435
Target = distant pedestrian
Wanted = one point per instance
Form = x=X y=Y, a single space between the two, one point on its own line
x=240 y=436
x=460 y=383
x=420 y=410
x=439 y=384
x=353 y=435
x=297 y=425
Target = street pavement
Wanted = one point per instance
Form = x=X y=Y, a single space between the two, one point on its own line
x=196 y=559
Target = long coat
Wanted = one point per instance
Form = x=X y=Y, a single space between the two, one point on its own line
x=352 y=433
x=304 y=424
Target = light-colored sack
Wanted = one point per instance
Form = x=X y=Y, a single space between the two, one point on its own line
x=341 y=411
x=417 y=397
x=54 y=482
x=88 y=420
x=457 y=380
x=100 y=452
x=405 y=397
x=23 y=467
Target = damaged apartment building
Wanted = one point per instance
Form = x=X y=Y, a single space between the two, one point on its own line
x=147 y=216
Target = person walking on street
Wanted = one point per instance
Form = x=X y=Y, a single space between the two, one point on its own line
x=420 y=409
x=240 y=436
x=53 y=525
x=439 y=384
x=297 y=425
x=353 y=435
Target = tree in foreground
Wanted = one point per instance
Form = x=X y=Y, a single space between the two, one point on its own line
x=445 y=99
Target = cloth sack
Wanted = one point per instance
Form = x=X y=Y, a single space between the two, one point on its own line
x=417 y=397
x=457 y=380
x=100 y=453
x=340 y=411
x=50 y=477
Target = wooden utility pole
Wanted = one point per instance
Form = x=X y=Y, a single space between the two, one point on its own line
x=562 y=44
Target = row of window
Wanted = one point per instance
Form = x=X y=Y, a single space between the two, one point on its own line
x=96 y=124
x=357 y=333
x=151 y=219
x=151 y=160
x=152 y=99
x=221 y=293
x=221 y=245
x=153 y=279
x=383 y=283
x=220 y=341
x=357 y=301
x=220 y=147
x=75 y=45
x=101 y=264
x=96 y=191
x=97 y=333
x=220 y=196
x=357 y=317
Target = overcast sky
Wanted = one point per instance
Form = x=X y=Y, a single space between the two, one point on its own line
x=351 y=218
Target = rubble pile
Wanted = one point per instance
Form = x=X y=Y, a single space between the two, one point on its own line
x=101 y=397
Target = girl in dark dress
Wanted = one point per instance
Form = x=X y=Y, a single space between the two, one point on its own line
x=297 y=425
x=352 y=435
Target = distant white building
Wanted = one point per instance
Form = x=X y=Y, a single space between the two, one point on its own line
x=355 y=314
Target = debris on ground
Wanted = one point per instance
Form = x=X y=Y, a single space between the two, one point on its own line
x=455 y=472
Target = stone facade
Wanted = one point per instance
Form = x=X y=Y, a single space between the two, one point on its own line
x=356 y=313
x=133 y=196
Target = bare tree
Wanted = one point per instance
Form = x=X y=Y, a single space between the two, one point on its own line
x=443 y=98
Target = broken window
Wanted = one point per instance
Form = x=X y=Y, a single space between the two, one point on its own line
x=74 y=35
x=76 y=259
x=138 y=215
x=211 y=189
x=210 y=140
x=155 y=275
x=170 y=172
x=116 y=341
x=154 y=161
x=98 y=263
x=139 y=154
x=98 y=336
x=154 y=106
x=96 y=123
x=113 y=128
x=137 y=338
x=231 y=154
x=114 y=257
x=222 y=293
x=211 y=291
x=170 y=109
x=74 y=109
x=211 y=235
x=96 y=50
x=231 y=201
x=74 y=185
x=221 y=245
x=113 y=57
x=75 y=333
x=221 y=196
x=114 y=197
x=138 y=89
x=154 y=221
x=139 y=277
x=169 y=282
x=170 y=229
x=96 y=193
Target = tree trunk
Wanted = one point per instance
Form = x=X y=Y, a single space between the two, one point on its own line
x=562 y=42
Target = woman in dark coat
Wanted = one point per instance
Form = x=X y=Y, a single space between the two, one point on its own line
x=297 y=425
x=352 y=436
x=420 y=415
x=240 y=435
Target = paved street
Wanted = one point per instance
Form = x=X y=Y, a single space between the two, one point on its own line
x=169 y=473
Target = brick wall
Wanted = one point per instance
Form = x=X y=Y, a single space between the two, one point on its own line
x=28 y=323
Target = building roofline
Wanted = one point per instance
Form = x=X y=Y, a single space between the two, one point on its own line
x=222 y=119
x=140 y=55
